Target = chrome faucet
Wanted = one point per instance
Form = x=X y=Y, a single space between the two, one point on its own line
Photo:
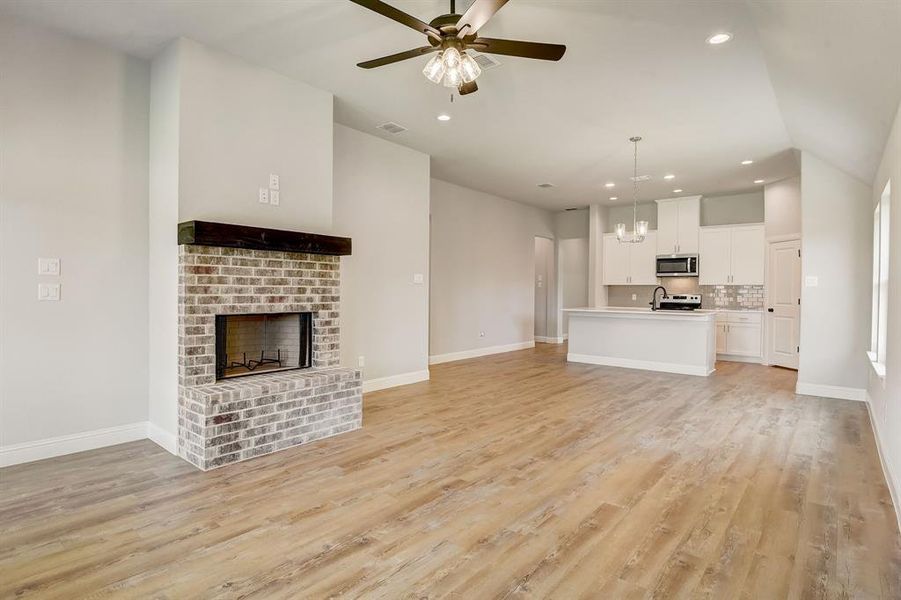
x=653 y=302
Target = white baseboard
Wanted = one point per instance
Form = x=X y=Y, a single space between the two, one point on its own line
x=476 y=352
x=644 y=365
x=548 y=340
x=888 y=469
x=382 y=383
x=162 y=438
x=831 y=391
x=15 y=454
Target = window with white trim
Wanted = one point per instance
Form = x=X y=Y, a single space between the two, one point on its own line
x=879 y=333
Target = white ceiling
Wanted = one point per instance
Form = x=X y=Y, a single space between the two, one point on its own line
x=825 y=77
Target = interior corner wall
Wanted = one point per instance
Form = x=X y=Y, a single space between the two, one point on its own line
x=165 y=104
x=885 y=395
x=836 y=239
x=74 y=157
x=381 y=201
x=597 y=225
x=783 y=207
x=482 y=268
x=572 y=230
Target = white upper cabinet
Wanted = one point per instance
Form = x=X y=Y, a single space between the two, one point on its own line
x=732 y=255
x=748 y=255
x=678 y=222
x=630 y=264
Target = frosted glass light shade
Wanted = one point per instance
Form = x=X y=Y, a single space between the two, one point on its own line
x=642 y=228
x=451 y=58
x=469 y=68
x=453 y=78
x=620 y=231
x=434 y=69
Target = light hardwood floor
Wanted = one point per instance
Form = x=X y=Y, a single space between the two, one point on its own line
x=515 y=475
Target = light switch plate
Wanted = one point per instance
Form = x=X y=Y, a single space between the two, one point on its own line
x=418 y=278
x=274 y=199
x=48 y=292
x=48 y=266
x=264 y=195
x=811 y=281
x=273 y=181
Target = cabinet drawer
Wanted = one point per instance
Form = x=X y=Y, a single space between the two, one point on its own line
x=753 y=318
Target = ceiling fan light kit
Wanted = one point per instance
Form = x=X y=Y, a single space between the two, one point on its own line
x=451 y=35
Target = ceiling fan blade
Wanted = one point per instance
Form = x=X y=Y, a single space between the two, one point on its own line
x=386 y=10
x=468 y=88
x=517 y=48
x=393 y=58
x=478 y=14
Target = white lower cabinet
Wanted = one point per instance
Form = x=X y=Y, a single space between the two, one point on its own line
x=739 y=334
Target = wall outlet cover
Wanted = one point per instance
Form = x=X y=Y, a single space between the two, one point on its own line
x=811 y=281
x=273 y=181
x=274 y=198
x=264 y=196
x=48 y=292
x=418 y=278
x=48 y=266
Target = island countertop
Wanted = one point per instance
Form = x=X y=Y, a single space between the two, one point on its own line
x=640 y=312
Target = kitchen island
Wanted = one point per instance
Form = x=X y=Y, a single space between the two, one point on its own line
x=671 y=341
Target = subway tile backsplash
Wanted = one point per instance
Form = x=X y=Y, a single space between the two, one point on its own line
x=730 y=297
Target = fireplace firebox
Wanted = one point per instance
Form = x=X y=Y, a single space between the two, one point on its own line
x=251 y=344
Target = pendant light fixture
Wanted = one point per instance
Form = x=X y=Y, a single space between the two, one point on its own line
x=639 y=228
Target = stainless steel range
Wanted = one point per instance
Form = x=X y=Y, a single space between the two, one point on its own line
x=680 y=302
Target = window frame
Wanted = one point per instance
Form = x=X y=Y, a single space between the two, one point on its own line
x=881 y=253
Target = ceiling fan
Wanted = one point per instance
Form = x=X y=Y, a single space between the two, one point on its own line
x=451 y=35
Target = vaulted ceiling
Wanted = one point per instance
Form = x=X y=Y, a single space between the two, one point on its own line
x=820 y=76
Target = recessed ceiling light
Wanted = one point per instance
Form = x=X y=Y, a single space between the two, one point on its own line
x=670 y=176
x=747 y=162
x=614 y=198
x=609 y=184
x=758 y=181
x=678 y=191
x=719 y=38
x=444 y=117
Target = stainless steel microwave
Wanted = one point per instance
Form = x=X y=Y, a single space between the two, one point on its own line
x=677 y=266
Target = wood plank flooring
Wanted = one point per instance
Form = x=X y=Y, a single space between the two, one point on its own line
x=510 y=476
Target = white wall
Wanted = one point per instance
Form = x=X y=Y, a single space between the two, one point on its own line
x=783 y=207
x=885 y=395
x=74 y=150
x=836 y=238
x=382 y=202
x=598 y=218
x=482 y=264
x=238 y=124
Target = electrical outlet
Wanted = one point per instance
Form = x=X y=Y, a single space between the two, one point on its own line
x=361 y=361
x=634 y=296
x=273 y=197
x=48 y=292
x=418 y=278
x=264 y=195
x=273 y=181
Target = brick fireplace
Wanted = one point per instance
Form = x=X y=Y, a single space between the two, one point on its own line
x=271 y=405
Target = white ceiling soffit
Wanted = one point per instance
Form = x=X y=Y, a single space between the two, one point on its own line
x=836 y=71
x=631 y=68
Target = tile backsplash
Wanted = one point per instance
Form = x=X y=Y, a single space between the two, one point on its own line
x=732 y=297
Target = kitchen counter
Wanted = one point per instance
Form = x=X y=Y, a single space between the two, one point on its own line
x=670 y=341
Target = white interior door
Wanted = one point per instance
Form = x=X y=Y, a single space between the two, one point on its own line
x=784 y=303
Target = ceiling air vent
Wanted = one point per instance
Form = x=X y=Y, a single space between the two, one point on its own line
x=486 y=61
x=546 y=185
x=392 y=128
